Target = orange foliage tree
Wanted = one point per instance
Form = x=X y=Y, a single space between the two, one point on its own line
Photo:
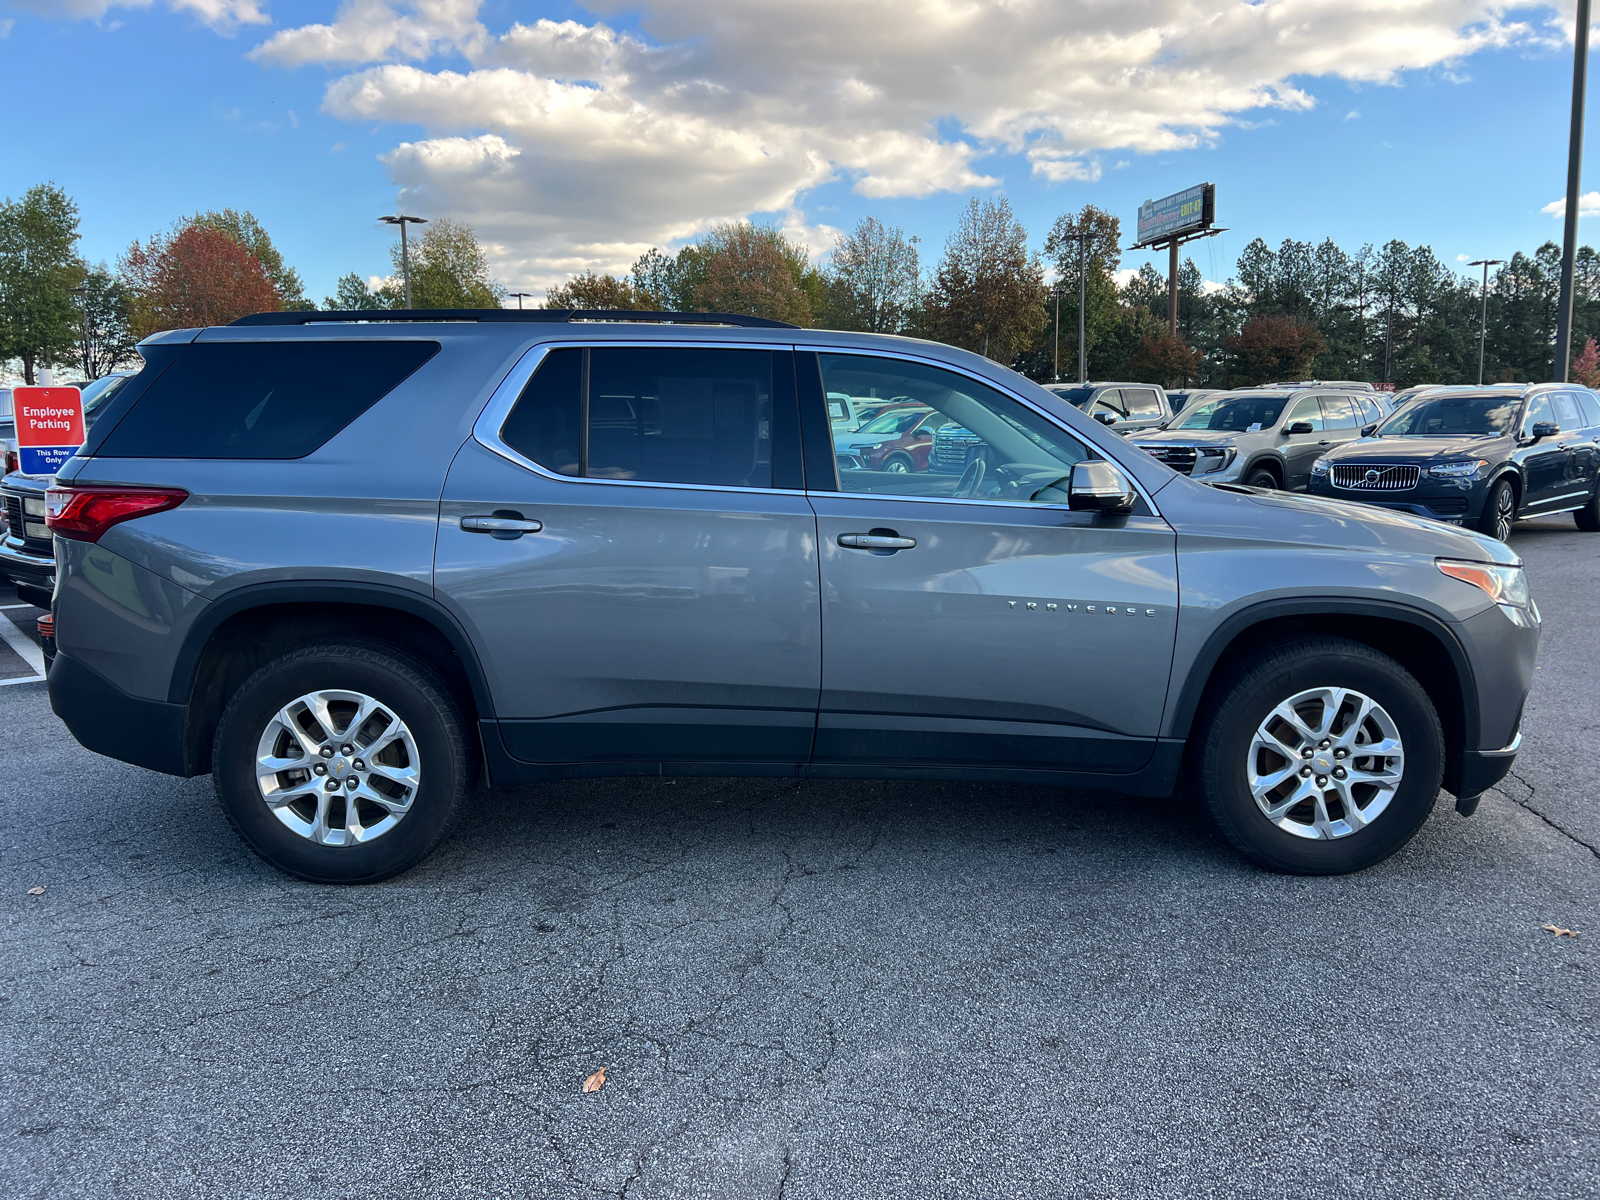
x=195 y=275
x=1269 y=349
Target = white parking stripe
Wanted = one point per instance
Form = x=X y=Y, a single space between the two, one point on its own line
x=23 y=645
x=22 y=679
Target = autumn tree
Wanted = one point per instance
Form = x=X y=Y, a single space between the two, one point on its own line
x=1165 y=359
x=39 y=267
x=1272 y=348
x=193 y=276
x=1586 y=365
x=449 y=269
x=874 y=279
x=988 y=294
x=752 y=270
x=244 y=229
x=600 y=292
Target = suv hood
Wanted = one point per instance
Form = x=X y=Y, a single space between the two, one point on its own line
x=1232 y=511
x=1421 y=450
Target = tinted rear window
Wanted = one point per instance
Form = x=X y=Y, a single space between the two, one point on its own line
x=260 y=399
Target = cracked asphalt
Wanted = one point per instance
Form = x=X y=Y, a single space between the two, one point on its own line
x=808 y=989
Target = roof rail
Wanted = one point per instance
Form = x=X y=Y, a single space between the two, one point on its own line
x=491 y=315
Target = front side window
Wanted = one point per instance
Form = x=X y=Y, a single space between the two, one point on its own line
x=985 y=445
x=1111 y=401
x=650 y=414
x=1305 y=409
x=1538 y=411
x=1567 y=411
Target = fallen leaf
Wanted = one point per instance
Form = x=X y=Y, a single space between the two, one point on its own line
x=1560 y=932
x=36 y=891
x=595 y=1082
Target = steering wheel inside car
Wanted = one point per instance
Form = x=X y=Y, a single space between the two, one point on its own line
x=971 y=479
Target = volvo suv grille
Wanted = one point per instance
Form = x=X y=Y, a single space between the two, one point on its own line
x=1376 y=477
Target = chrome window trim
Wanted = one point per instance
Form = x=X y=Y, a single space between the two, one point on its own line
x=486 y=429
x=908 y=356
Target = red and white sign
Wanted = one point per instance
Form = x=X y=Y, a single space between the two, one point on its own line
x=49 y=426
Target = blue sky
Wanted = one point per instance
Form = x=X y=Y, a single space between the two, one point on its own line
x=145 y=114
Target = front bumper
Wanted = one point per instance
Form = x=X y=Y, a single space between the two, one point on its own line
x=27 y=568
x=1457 y=502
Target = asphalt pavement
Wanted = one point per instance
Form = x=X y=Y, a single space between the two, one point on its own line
x=816 y=989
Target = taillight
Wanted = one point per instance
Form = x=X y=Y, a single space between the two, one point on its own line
x=85 y=513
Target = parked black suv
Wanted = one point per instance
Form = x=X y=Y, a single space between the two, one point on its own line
x=1479 y=458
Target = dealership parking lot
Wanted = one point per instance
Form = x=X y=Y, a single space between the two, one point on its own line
x=806 y=989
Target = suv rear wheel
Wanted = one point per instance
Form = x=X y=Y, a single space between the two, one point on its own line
x=1322 y=757
x=342 y=763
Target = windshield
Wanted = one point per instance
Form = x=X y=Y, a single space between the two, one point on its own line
x=896 y=421
x=1075 y=396
x=1458 y=416
x=1235 y=414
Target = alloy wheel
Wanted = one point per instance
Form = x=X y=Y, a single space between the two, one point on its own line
x=1325 y=763
x=337 y=767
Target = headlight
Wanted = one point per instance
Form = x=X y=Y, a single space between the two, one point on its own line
x=1506 y=586
x=1209 y=460
x=874 y=446
x=1459 y=470
x=1320 y=467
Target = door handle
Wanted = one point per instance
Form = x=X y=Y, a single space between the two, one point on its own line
x=504 y=528
x=875 y=541
x=1324 y=443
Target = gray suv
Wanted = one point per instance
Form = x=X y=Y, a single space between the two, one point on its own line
x=1259 y=437
x=354 y=565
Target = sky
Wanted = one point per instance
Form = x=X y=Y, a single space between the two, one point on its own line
x=576 y=137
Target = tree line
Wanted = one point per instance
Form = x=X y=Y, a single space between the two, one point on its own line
x=59 y=310
x=1393 y=314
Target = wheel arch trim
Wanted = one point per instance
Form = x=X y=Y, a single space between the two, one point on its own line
x=1202 y=669
x=368 y=595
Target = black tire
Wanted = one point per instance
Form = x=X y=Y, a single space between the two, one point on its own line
x=900 y=464
x=1499 y=510
x=1588 y=517
x=415 y=695
x=1246 y=699
x=1261 y=477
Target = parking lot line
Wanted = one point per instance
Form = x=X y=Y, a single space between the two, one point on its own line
x=23 y=645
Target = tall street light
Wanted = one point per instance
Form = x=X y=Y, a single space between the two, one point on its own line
x=1083 y=240
x=1055 y=374
x=1569 y=240
x=405 y=252
x=521 y=296
x=1483 y=320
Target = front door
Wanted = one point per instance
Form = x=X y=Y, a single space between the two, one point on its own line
x=629 y=547
x=976 y=620
x=1545 y=463
x=1300 y=450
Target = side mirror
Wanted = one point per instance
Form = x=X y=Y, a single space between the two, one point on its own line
x=1544 y=429
x=1368 y=430
x=923 y=433
x=1106 y=418
x=1300 y=427
x=1100 y=487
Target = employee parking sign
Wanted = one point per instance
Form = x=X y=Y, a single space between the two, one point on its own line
x=49 y=427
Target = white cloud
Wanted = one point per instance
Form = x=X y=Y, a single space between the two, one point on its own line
x=1588 y=206
x=1353 y=115
x=6 y=26
x=569 y=144
x=224 y=16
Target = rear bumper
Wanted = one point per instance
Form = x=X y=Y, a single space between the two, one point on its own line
x=107 y=720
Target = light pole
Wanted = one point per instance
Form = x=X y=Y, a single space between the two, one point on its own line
x=1483 y=320
x=1083 y=278
x=405 y=252
x=521 y=296
x=1569 y=239
x=1055 y=376
x=82 y=293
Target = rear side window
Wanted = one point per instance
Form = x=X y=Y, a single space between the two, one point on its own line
x=247 y=400
x=1141 y=403
x=651 y=414
x=1339 y=412
x=1591 y=409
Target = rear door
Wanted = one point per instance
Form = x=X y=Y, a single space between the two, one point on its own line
x=627 y=541
x=977 y=621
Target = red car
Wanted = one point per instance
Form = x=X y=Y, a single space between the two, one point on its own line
x=898 y=439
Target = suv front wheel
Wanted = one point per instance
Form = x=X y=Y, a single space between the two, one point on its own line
x=1322 y=757
x=342 y=763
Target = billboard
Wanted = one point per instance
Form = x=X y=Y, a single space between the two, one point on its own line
x=49 y=427
x=1183 y=212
